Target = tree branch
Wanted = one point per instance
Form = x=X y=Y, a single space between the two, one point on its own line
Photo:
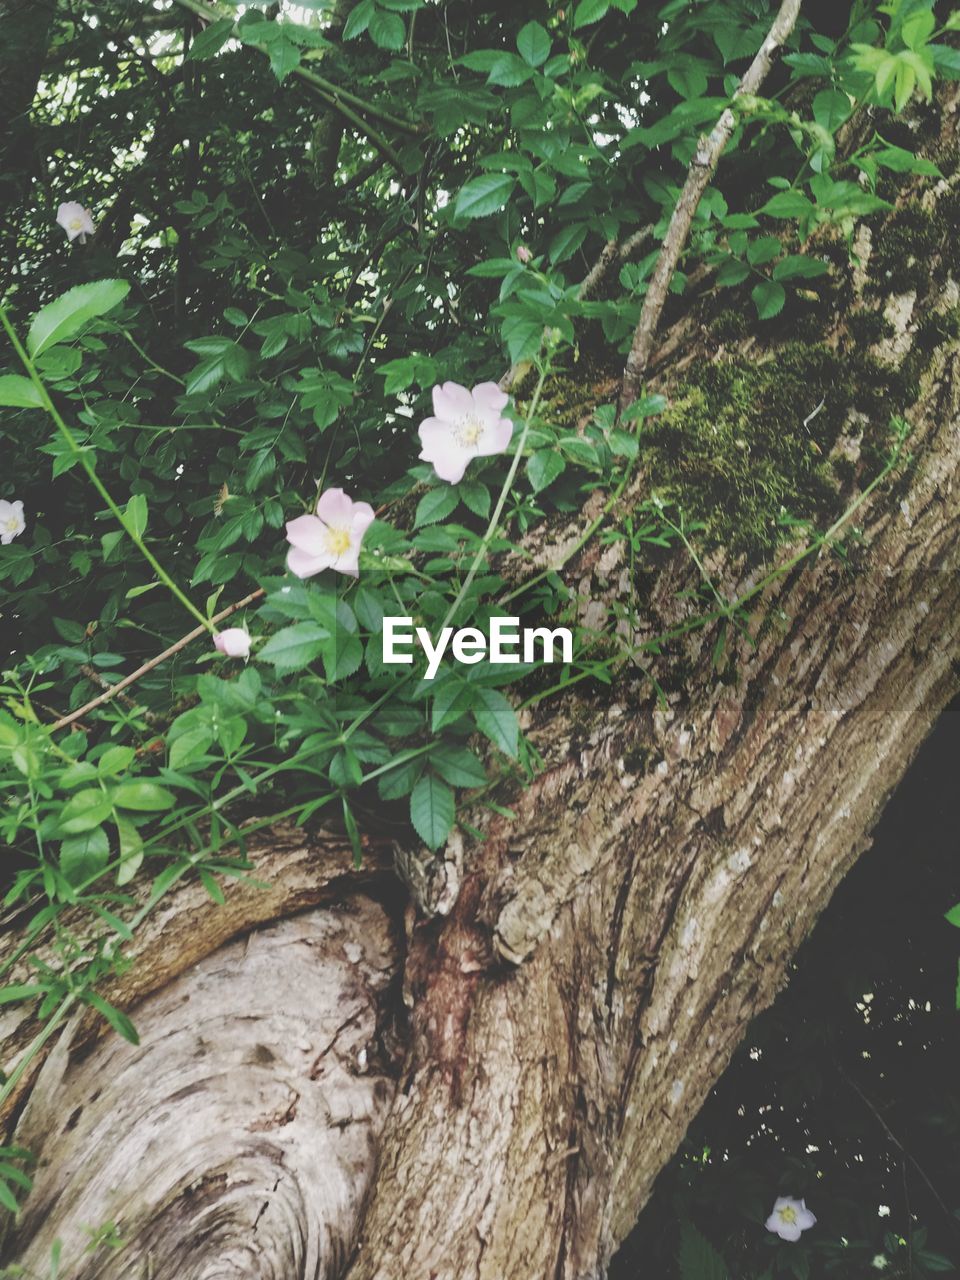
x=339 y=99
x=153 y=662
x=701 y=171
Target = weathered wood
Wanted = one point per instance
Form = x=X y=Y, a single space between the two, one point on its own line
x=610 y=945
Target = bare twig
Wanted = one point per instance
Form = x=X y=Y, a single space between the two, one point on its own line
x=701 y=171
x=182 y=643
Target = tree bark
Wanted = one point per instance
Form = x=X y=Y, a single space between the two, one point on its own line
x=558 y=1029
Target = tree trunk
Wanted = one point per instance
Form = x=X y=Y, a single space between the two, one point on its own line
x=525 y=1064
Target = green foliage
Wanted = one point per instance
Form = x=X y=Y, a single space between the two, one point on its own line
x=261 y=315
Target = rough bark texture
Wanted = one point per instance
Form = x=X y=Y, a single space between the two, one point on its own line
x=608 y=947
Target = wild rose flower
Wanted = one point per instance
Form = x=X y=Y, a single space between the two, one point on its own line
x=234 y=642
x=523 y=254
x=331 y=539
x=468 y=424
x=12 y=523
x=790 y=1218
x=76 y=221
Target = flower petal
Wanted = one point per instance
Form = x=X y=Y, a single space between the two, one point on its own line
x=805 y=1219
x=307 y=533
x=451 y=401
x=487 y=395
x=361 y=520
x=495 y=437
x=305 y=565
x=335 y=508
x=789 y=1231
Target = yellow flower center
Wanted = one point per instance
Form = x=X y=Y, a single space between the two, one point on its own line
x=469 y=431
x=11 y=524
x=76 y=224
x=787 y=1213
x=338 y=541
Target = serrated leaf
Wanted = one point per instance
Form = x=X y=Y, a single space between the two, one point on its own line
x=435 y=505
x=432 y=810
x=84 y=811
x=797 y=266
x=533 y=44
x=484 y=195
x=458 y=766
x=359 y=19
x=17 y=392
x=543 y=467
x=284 y=58
x=698 y=1259
x=497 y=720
x=768 y=298
x=210 y=40
x=295 y=647
x=387 y=30
x=589 y=11
x=65 y=316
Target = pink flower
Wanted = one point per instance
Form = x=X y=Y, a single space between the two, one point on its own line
x=790 y=1218
x=523 y=254
x=468 y=424
x=76 y=221
x=330 y=539
x=234 y=642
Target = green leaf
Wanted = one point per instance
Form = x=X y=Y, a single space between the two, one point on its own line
x=496 y=719
x=698 y=1259
x=284 y=58
x=84 y=856
x=899 y=160
x=543 y=467
x=765 y=249
x=18 y=393
x=458 y=766
x=830 y=109
x=146 y=797
x=432 y=810
x=788 y=204
x=295 y=647
x=387 y=30
x=65 y=316
x=211 y=39
x=797 y=266
x=131 y=850
x=484 y=195
x=116 y=1017
x=435 y=505
x=359 y=19
x=135 y=515
x=588 y=11
x=953 y=915
x=533 y=44
x=733 y=271
x=768 y=297
x=84 y=811
x=475 y=496
x=567 y=241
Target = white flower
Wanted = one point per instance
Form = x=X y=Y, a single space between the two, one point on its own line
x=330 y=539
x=76 y=221
x=790 y=1218
x=467 y=425
x=234 y=642
x=880 y=1262
x=12 y=523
